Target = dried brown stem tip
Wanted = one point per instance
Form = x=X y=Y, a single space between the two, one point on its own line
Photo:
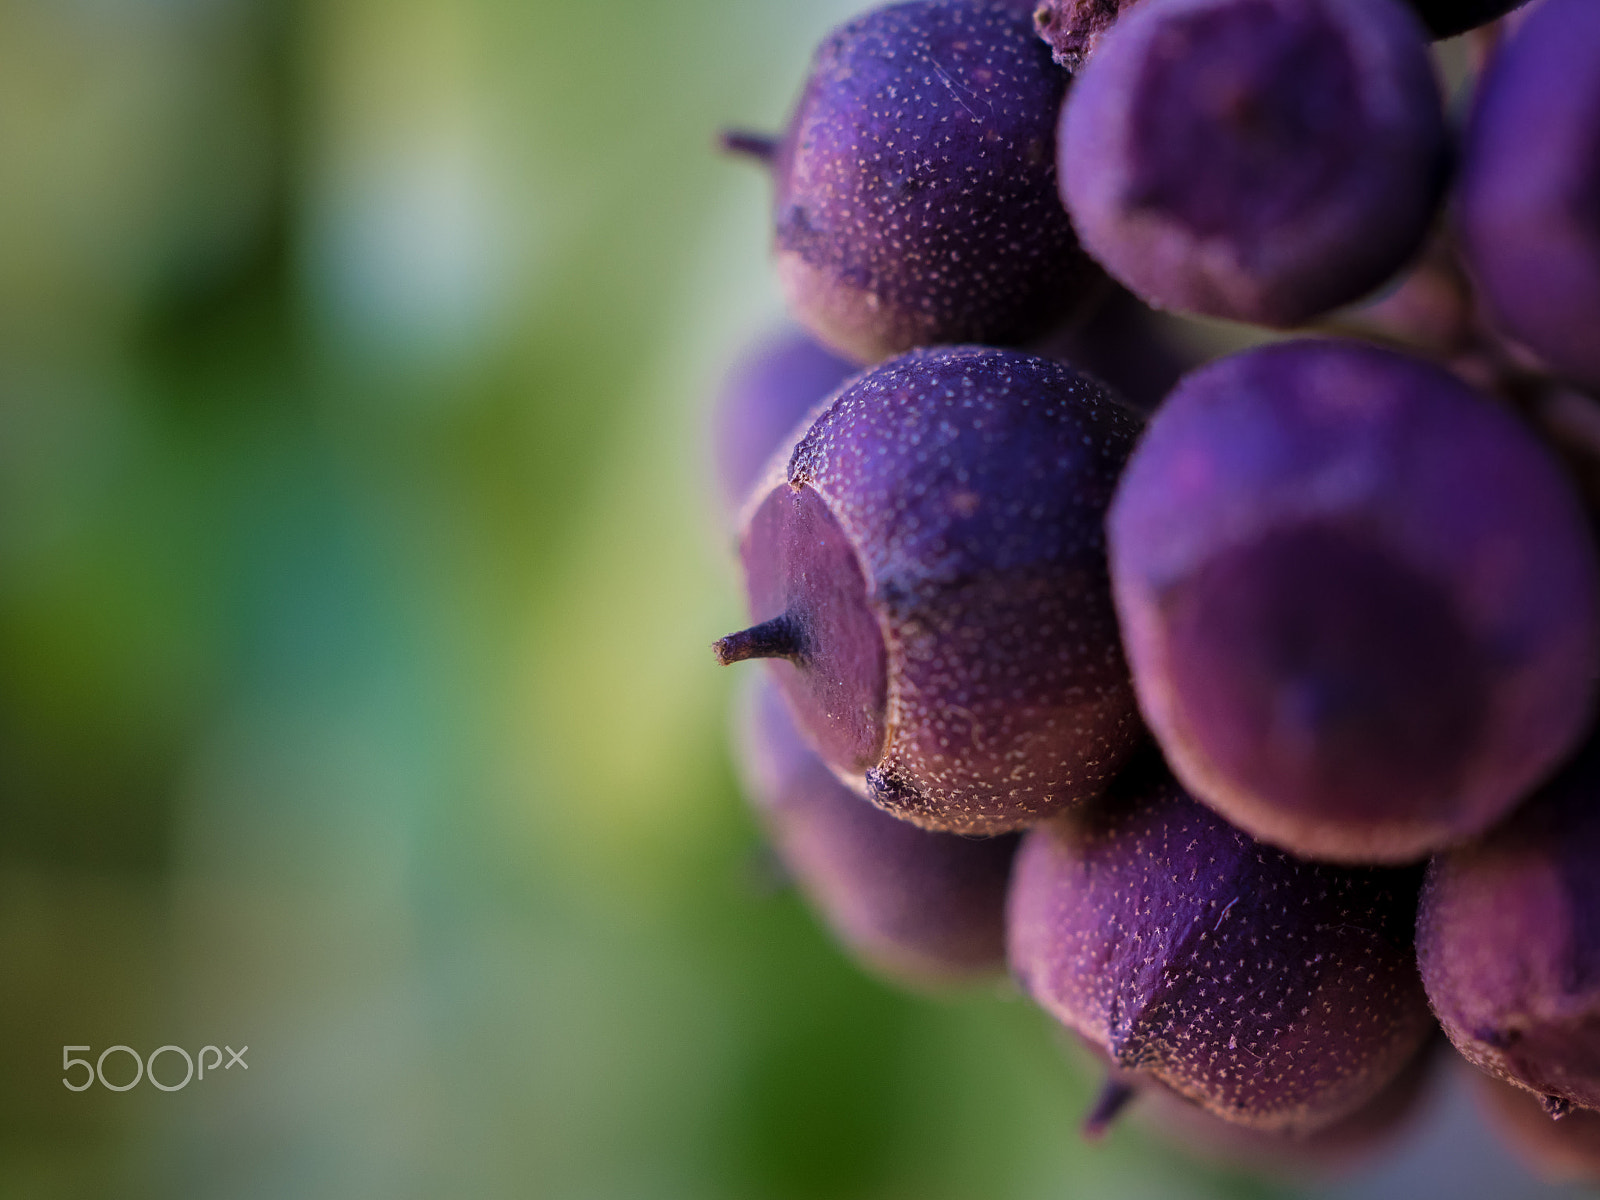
x=1073 y=27
x=780 y=637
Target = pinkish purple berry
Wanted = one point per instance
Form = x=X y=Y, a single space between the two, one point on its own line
x=1275 y=993
x=915 y=189
x=1260 y=160
x=1508 y=939
x=1528 y=201
x=1360 y=600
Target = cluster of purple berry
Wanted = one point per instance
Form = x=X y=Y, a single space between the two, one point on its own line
x=1254 y=736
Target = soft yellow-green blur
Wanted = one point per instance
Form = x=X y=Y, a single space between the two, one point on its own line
x=358 y=563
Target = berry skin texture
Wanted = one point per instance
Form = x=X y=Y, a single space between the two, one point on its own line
x=924 y=909
x=916 y=189
x=763 y=401
x=1276 y=993
x=1358 y=599
x=1528 y=200
x=1258 y=160
x=1508 y=940
x=930 y=570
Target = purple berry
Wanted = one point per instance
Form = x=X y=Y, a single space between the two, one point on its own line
x=1359 y=600
x=932 y=569
x=922 y=908
x=763 y=401
x=916 y=189
x=1528 y=202
x=1261 y=160
x=1508 y=939
x=1274 y=992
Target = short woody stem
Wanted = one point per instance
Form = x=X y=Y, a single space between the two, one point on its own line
x=778 y=638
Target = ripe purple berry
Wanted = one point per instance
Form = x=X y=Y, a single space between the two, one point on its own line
x=922 y=908
x=931 y=568
x=915 y=188
x=1261 y=160
x=1359 y=600
x=1508 y=940
x=1274 y=992
x=1529 y=196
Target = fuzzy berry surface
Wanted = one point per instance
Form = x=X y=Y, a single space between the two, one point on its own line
x=916 y=186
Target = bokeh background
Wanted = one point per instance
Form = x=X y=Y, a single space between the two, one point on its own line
x=358 y=562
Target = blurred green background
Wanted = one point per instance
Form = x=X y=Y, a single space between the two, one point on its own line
x=358 y=560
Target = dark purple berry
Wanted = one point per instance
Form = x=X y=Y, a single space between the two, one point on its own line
x=1508 y=939
x=921 y=907
x=932 y=570
x=1274 y=992
x=1528 y=201
x=1559 y=1151
x=1359 y=600
x=916 y=189
x=1261 y=160
x=763 y=401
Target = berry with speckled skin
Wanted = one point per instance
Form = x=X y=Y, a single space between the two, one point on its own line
x=916 y=189
x=1528 y=201
x=1508 y=939
x=931 y=570
x=1260 y=160
x=1559 y=1151
x=1073 y=28
x=1358 y=598
x=1274 y=992
x=763 y=401
x=922 y=908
